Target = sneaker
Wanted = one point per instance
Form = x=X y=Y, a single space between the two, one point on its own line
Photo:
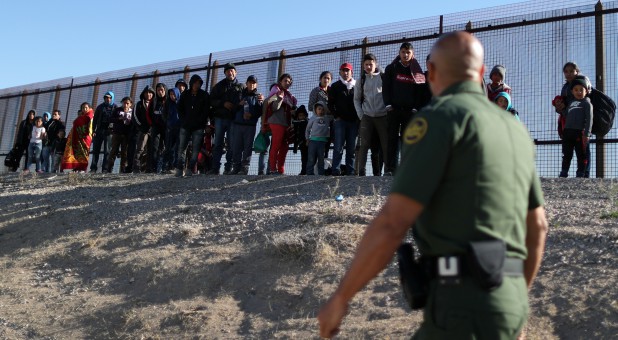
x=228 y=172
x=261 y=173
x=26 y=171
x=179 y=173
x=213 y=172
x=39 y=171
x=388 y=173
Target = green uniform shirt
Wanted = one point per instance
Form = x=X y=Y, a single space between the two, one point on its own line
x=472 y=166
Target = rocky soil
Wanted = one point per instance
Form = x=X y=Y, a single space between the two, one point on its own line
x=235 y=257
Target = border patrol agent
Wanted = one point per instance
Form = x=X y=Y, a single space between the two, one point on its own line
x=468 y=180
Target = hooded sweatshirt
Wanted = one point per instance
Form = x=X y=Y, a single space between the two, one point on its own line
x=103 y=114
x=158 y=114
x=318 y=128
x=25 y=129
x=372 y=102
x=141 y=116
x=172 y=109
x=403 y=85
x=193 y=108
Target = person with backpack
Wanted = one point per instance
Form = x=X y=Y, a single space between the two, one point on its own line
x=371 y=110
x=576 y=134
x=570 y=71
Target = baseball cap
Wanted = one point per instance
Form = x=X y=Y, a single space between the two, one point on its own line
x=346 y=65
x=252 y=78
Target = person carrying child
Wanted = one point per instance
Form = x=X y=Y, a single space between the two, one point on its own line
x=244 y=124
x=576 y=133
x=121 y=127
x=317 y=133
x=497 y=85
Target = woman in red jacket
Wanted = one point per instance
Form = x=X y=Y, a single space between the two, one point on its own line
x=77 y=150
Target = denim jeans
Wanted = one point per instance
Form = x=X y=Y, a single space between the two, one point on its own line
x=47 y=158
x=242 y=145
x=345 y=134
x=102 y=137
x=34 y=150
x=223 y=128
x=315 y=153
x=171 y=147
x=197 y=138
x=156 y=134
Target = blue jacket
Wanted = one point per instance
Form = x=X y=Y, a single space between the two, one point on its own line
x=255 y=108
x=103 y=114
x=172 y=111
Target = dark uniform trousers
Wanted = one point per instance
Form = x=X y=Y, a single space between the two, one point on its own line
x=466 y=311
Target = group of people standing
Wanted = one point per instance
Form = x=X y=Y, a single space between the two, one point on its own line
x=152 y=135
x=353 y=115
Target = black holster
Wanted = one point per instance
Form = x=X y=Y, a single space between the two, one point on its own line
x=412 y=276
x=486 y=263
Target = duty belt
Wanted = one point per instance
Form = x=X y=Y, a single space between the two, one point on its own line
x=450 y=266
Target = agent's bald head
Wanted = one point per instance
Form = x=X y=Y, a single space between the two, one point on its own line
x=455 y=57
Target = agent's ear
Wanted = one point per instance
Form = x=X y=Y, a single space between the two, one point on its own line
x=481 y=73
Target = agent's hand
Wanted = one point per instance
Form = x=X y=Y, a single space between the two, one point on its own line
x=260 y=97
x=331 y=315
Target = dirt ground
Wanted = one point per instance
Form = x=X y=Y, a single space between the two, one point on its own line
x=245 y=257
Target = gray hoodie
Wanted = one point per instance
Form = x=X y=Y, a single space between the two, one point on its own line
x=318 y=127
x=373 y=105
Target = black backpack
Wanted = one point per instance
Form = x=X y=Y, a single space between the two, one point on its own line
x=603 y=111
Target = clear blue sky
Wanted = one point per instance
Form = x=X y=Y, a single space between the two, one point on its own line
x=45 y=40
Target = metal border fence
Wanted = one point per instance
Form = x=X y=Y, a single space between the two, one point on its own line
x=532 y=39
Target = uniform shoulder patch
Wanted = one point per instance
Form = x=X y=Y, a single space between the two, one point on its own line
x=415 y=131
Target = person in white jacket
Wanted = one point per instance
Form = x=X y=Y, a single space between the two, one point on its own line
x=371 y=110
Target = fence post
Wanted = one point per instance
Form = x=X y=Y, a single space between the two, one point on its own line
x=363 y=52
x=22 y=108
x=95 y=94
x=185 y=74
x=469 y=26
x=66 y=114
x=155 y=79
x=441 y=25
x=208 y=71
x=35 y=101
x=56 y=97
x=134 y=89
x=281 y=69
x=213 y=76
x=600 y=81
